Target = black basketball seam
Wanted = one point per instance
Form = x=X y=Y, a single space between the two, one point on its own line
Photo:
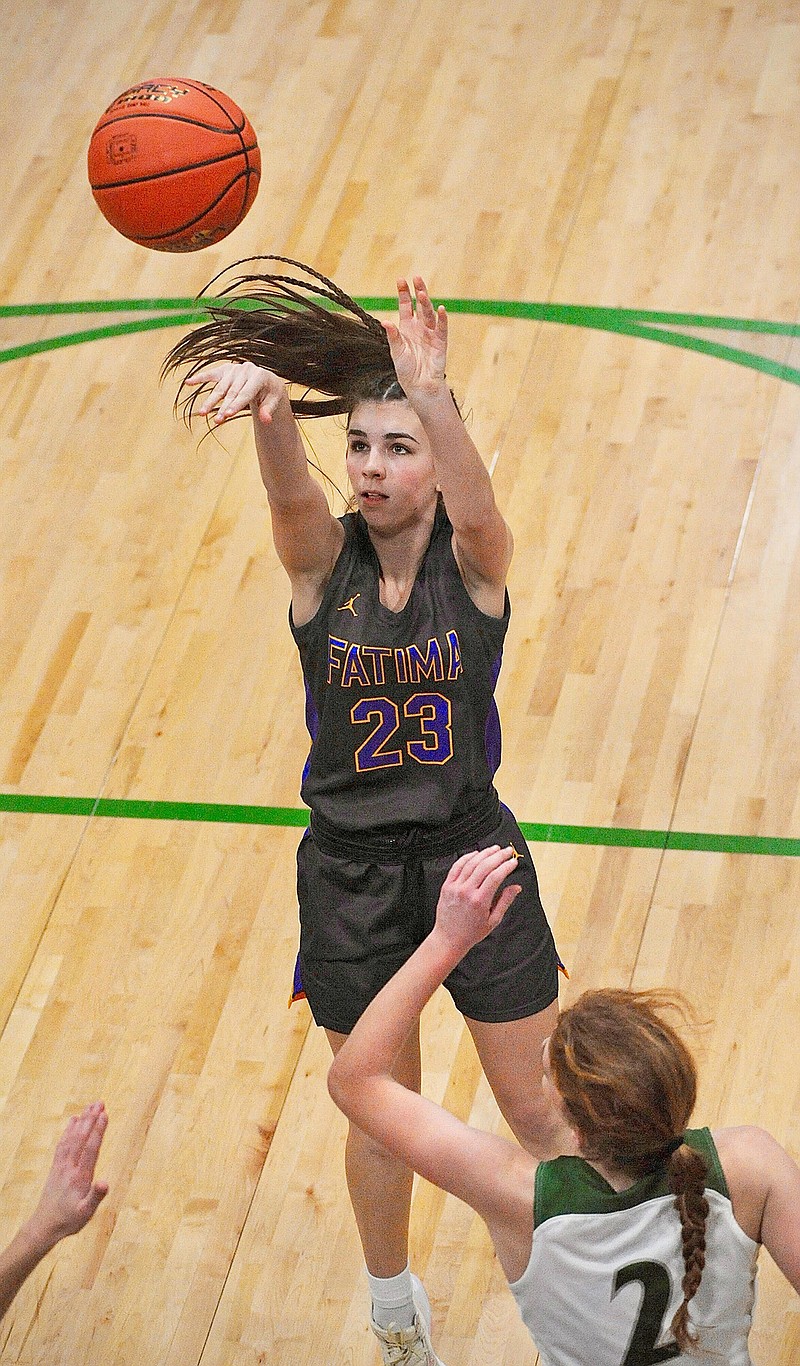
x=173 y=232
x=246 y=150
x=200 y=89
x=176 y=170
x=235 y=127
x=173 y=118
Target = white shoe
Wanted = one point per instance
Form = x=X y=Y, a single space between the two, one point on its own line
x=409 y=1346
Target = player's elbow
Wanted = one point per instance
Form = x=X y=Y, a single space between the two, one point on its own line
x=338 y=1087
x=353 y=1091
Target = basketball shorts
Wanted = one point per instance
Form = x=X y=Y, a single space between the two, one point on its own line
x=361 y=919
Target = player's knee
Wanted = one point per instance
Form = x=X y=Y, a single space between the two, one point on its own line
x=531 y=1118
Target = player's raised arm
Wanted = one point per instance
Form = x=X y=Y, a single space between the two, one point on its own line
x=307 y=537
x=492 y=1175
x=69 y=1199
x=481 y=538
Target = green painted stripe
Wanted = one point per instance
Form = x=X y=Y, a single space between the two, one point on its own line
x=98 y=334
x=157 y=811
x=689 y=840
x=647 y=324
x=582 y=315
x=231 y=814
x=97 y=306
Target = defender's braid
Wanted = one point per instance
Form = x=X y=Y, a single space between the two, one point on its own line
x=687 y=1175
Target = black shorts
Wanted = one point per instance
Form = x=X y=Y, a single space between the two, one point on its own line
x=361 y=920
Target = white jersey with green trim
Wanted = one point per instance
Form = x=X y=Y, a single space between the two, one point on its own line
x=604 y=1278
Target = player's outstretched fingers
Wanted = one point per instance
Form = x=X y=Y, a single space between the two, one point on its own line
x=405 y=303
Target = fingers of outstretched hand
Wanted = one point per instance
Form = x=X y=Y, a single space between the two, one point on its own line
x=209 y=374
x=233 y=385
x=493 y=864
x=425 y=309
x=92 y=1126
x=71 y=1195
x=77 y=1150
x=229 y=395
x=405 y=303
x=488 y=889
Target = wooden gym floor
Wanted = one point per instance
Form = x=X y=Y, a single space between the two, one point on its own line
x=630 y=154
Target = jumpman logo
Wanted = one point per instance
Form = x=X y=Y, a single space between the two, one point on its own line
x=348 y=606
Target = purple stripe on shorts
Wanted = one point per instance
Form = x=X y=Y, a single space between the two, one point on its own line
x=492 y=736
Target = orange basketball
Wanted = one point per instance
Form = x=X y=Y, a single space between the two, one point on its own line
x=174 y=164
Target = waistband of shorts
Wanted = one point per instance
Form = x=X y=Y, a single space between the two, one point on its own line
x=397 y=843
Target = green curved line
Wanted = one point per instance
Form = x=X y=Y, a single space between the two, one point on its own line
x=97 y=334
x=647 y=324
x=575 y=314
x=52 y=310
x=737 y=356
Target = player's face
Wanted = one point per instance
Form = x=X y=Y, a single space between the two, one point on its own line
x=389 y=463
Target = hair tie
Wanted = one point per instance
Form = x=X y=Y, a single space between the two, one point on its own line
x=662 y=1156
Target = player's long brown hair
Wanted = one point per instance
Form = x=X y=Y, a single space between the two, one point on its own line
x=628 y=1084
x=301 y=326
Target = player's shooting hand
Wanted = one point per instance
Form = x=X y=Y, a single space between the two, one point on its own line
x=234 y=386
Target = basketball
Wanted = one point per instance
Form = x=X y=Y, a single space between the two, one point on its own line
x=174 y=164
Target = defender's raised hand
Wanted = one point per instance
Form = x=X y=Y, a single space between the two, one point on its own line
x=71 y=1195
x=69 y=1199
x=471 y=901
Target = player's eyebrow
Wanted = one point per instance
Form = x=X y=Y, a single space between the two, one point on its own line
x=387 y=436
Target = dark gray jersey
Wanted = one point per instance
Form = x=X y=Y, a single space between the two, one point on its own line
x=399 y=705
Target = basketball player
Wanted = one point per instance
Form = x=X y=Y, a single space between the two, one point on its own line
x=643 y=1248
x=69 y=1199
x=399 y=611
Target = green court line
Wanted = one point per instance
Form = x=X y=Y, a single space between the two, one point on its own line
x=537 y=832
x=647 y=324
x=98 y=334
x=578 y=314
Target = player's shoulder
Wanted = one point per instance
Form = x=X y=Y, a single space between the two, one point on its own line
x=744 y=1144
x=752 y=1161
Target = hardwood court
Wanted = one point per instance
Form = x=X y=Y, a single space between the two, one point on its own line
x=618 y=153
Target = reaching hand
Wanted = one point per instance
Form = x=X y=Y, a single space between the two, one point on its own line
x=419 y=343
x=471 y=902
x=71 y=1195
x=237 y=384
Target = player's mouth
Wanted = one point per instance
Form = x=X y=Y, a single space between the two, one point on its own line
x=372 y=496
